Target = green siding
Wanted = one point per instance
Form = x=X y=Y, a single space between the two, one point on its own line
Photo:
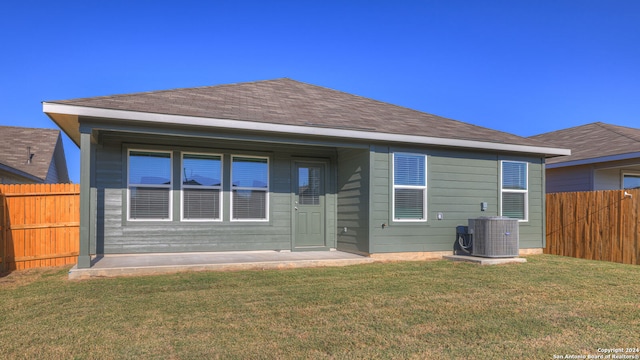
x=457 y=183
x=358 y=195
x=353 y=200
x=115 y=234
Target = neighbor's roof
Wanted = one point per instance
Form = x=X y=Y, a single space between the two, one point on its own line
x=595 y=142
x=287 y=106
x=16 y=143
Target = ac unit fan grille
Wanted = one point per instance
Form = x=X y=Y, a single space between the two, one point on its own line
x=494 y=237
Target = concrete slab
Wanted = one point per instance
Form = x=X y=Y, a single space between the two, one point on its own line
x=485 y=261
x=156 y=264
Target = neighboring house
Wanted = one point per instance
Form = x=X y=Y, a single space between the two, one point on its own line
x=284 y=165
x=31 y=156
x=603 y=157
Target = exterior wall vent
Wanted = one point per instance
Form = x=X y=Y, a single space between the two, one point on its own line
x=494 y=237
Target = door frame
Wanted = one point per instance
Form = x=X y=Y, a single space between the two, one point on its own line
x=326 y=163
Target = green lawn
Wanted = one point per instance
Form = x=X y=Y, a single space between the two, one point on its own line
x=424 y=310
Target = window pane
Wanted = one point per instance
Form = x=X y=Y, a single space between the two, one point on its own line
x=632 y=181
x=201 y=203
x=201 y=170
x=250 y=172
x=149 y=203
x=409 y=204
x=513 y=205
x=309 y=185
x=408 y=169
x=149 y=168
x=249 y=204
x=514 y=175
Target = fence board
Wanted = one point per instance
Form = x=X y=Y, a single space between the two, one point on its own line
x=596 y=225
x=39 y=225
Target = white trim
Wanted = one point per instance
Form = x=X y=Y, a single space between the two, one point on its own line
x=170 y=185
x=525 y=192
x=267 y=190
x=219 y=187
x=394 y=187
x=53 y=108
x=629 y=173
x=617 y=157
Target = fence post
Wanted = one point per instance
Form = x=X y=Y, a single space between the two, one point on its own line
x=3 y=237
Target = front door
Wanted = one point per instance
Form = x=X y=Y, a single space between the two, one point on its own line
x=309 y=205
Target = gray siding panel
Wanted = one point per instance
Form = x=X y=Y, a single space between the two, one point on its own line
x=574 y=178
x=353 y=200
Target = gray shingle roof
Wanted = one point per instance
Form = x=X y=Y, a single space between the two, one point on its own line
x=16 y=142
x=592 y=141
x=289 y=102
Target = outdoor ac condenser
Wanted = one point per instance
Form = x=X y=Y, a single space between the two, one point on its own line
x=494 y=237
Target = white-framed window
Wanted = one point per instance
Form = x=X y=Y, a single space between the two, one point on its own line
x=149 y=185
x=201 y=187
x=249 y=188
x=409 y=187
x=514 y=190
x=631 y=180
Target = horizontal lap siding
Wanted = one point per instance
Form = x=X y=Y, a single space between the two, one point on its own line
x=114 y=234
x=457 y=183
x=573 y=178
x=353 y=200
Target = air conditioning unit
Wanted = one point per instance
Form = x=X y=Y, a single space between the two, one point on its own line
x=494 y=237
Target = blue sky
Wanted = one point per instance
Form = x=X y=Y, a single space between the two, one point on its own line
x=525 y=67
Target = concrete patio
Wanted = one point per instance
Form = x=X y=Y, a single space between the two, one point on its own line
x=155 y=264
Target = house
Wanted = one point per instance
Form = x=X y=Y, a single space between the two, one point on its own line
x=603 y=157
x=284 y=165
x=31 y=156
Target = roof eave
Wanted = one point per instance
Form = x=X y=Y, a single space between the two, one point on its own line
x=601 y=159
x=20 y=173
x=57 y=112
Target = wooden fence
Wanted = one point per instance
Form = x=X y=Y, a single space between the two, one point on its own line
x=39 y=225
x=597 y=225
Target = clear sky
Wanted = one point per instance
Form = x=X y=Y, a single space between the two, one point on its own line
x=525 y=66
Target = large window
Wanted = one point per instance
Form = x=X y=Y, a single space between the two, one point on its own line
x=409 y=187
x=149 y=185
x=250 y=188
x=514 y=190
x=631 y=181
x=201 y=187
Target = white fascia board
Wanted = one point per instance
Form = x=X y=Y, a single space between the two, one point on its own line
x=601 y=159
x=168 y=119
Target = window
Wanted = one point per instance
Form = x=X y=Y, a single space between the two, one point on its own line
x=201 y=187
x=514 y=190
x=250 y=188
x=409 y=187
x=149 y=184
x=631 y=181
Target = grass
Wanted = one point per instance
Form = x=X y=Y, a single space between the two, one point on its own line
x=548 y=306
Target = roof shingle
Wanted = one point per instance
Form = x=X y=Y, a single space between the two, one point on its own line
x=16 y=143
x=593 y=140
x=289 y=102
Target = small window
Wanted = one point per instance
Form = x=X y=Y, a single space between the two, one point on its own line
x=631 y=181
x=250 y=188
x=409 y=187
x=149 y=184
x=514 y=190
x=201 y=187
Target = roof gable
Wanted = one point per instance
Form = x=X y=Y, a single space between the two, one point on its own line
x=28 y=150
x=292 y=103
x=593 y=141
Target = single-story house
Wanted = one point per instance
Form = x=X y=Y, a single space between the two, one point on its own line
x=32 y=156
x=603 y=157
x=284 y=165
